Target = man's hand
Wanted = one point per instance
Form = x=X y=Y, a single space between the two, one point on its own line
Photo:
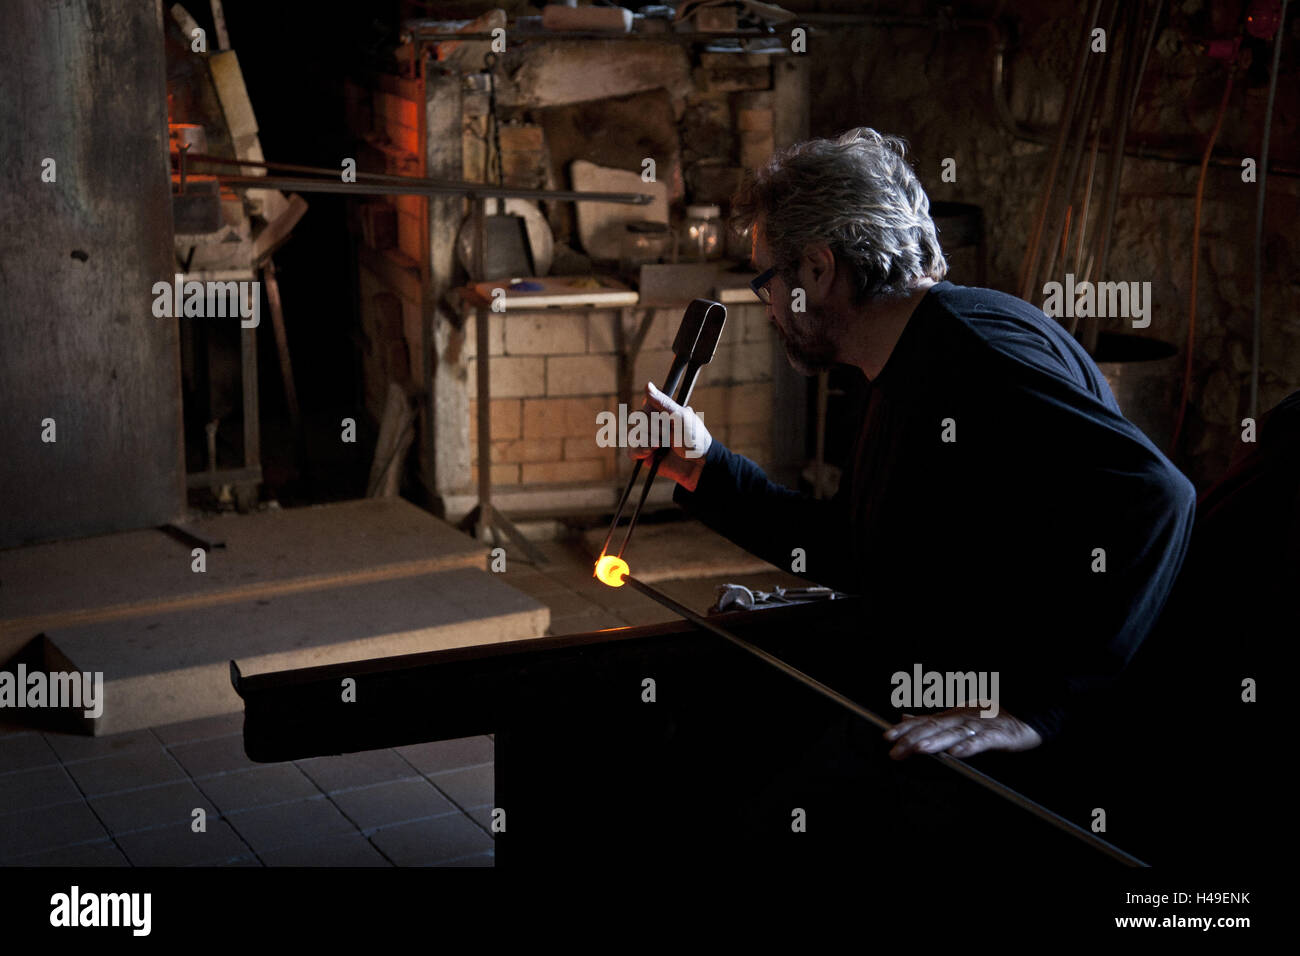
x=961 y=732
x=690 y=435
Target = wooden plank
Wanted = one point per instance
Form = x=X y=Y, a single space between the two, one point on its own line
x=229 y=81
x=165 y=668
x=275 y=552
x=79 y=343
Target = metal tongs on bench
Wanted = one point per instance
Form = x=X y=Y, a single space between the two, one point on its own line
x=693 y=348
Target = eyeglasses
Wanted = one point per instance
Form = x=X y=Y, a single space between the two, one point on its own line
x=759 y=285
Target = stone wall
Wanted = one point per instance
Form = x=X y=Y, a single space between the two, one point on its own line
x=934 y=89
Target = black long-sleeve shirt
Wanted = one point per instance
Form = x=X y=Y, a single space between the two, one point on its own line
x=984 y=551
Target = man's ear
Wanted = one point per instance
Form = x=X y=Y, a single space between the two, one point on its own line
x=819 y=266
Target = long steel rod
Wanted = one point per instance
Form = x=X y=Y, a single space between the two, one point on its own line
x=952 y=763
x=424 y=187
x=451 y=185
x=516 y=36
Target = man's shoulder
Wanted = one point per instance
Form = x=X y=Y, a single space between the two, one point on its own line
x=988 y=311
x=998 y=327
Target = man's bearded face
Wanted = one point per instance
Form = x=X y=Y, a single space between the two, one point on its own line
x=806 y=335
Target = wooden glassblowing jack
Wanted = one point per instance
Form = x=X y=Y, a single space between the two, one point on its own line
x=693 y=348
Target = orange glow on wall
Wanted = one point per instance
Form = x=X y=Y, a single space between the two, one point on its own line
x=610 y=570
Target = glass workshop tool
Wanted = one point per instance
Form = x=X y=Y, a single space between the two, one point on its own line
x=693 y=348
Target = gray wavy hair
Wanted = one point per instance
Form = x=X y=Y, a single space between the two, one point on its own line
x=857 y=194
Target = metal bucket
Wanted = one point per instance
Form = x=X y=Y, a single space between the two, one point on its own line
x=1143 y=374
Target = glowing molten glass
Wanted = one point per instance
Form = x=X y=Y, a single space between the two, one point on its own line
x=610 y=570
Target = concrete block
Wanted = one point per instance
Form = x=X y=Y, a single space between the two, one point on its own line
x=546 y=334
x=506 y=474
x=559 y=471
x=581 y=374
x=652 y=366
x=580 y=449
x=505 y=418
x=712 y=404
x=529 y=450
x=740 y=363
x=512 y=377
x=750 y=404
x=563 y=417
x=601 y=328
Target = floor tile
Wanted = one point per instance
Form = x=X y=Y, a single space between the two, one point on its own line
x=478 y=859
x=31 y=789
x=262 y=786
x=431 y=841
x=83 y=747
x=152 y=807
x=397 y=801
x=101 y=853
x=125 y=771
x=201 y=729
x=179 y=845
x=10 y=728
x=441 y=755
x=356 y=770
x=218 y=755
x=31 y=831
x=269 y=828
x=483 y=817
x=237 y=861
x=471 y=787
x=349 y=849
x=25 y=751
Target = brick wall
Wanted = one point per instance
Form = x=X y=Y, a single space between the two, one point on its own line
x=553 y=372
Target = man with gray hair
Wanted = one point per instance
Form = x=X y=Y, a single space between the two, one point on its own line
x=999 y=512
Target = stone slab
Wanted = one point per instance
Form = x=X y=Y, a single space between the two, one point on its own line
x=115 y=576
x=163 y=668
